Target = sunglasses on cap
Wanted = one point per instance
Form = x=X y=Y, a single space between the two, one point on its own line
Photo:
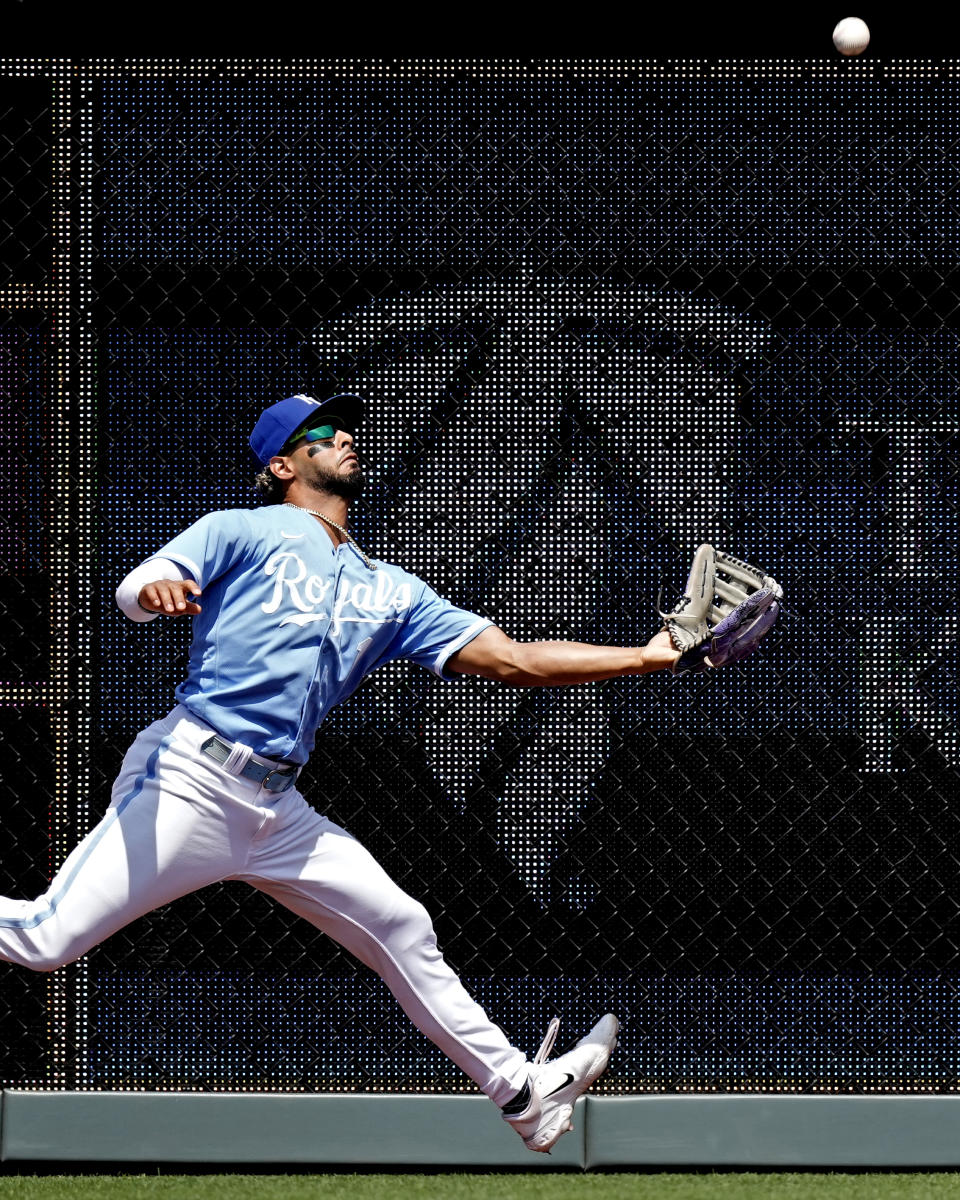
x=318 y=433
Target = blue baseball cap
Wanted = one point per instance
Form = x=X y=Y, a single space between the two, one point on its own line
x=278 y=423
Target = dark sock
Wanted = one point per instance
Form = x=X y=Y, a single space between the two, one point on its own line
x=518 y=1103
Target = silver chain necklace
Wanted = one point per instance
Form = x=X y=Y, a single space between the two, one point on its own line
x=372 y=566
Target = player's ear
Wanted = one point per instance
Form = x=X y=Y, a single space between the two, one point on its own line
x=280 y=467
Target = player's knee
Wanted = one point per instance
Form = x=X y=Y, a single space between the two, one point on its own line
x=34 y=959
x=39 y=951
x=45 y=958
x=409 y=923
x=47 y=964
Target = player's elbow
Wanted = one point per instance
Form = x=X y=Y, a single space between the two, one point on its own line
x=517 y=665
x=494 y=655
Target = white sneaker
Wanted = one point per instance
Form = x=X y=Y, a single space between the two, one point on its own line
x=556 y=1086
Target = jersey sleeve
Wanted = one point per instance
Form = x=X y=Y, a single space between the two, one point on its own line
x=209 y=546
x=434 y=631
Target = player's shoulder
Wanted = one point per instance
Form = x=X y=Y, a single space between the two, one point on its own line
x=264 y=516
x=231 y=524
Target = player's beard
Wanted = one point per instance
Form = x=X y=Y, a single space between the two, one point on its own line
x=349 y=485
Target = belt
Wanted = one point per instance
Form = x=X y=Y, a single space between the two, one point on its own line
x=271 y=779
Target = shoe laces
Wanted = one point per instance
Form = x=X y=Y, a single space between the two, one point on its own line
x=548 y=1042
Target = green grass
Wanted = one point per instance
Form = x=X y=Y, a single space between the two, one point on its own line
x=534 y=1186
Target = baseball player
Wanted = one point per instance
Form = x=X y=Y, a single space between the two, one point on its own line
x=289 y=615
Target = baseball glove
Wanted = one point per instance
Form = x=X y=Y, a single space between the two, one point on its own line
x=729 y=606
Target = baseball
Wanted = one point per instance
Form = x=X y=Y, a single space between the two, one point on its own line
x=851 y=36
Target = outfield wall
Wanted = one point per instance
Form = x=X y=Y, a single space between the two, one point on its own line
x=465 y=1131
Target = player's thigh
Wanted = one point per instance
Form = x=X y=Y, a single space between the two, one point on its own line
x=167 y=832
x=333 y=881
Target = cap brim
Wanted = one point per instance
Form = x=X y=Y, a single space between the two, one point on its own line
x=348 y=410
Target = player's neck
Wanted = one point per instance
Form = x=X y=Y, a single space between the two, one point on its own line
x=335 y=508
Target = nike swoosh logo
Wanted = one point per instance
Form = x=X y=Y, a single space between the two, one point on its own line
x=566 y=1083
x=292 y=536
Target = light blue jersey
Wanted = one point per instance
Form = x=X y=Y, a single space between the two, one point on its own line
x=291 y=624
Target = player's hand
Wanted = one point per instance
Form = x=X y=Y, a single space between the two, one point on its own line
x=660 y=652
x=169 y=596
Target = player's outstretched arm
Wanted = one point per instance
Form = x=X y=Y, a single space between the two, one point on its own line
x=493 y=655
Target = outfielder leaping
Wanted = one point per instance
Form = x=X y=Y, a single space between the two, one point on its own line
x=294 y=615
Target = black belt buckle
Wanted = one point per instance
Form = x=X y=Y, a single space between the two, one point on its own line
x=286 y=779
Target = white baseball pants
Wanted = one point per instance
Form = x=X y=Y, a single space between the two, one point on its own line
x=178 y=821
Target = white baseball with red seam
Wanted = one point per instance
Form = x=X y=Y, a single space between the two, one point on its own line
x=851 y=36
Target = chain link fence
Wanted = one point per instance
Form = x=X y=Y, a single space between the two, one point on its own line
x=601 y=313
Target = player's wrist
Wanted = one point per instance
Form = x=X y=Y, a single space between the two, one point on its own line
x=659 y=654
